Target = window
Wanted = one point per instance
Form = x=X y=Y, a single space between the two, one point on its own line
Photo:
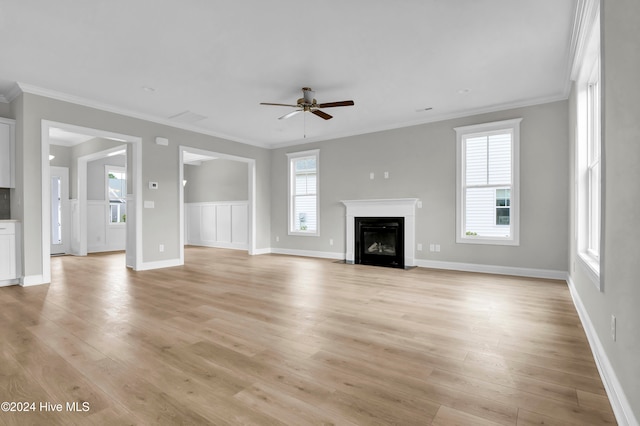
x=593 y=164
x=303 y=193
x=588 y=159
x=117 y=194
x=503 y=206
x=487 y=189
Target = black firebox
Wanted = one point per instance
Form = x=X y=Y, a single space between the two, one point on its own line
x=379 y=241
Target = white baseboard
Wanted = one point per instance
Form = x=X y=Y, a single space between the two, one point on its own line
x=104 y=249
x=619 y=402
x=434 y=264
x=493 y=269
x=169 y=263
x=6 y=283
x=232 y=246
x=309 y=253
x=257 y=252
x=30 y=280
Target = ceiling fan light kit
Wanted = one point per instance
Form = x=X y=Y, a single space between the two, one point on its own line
x=307 y=103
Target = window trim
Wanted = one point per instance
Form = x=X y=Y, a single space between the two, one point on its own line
x=588 y=136
x=465 y=132
x=291 y=157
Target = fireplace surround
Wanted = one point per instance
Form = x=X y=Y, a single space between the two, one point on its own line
x=383 y=208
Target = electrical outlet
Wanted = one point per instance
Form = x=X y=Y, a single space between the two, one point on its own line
x=161 y=248
x=438 y=248
x=419 y=247
x=277 y=239
x=613 y=328
x=386 y=175
x=432 y=247
x=419 y=204
x=372 y=175
x=330 y=241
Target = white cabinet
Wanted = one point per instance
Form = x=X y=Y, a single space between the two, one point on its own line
x=8 y=265
x=7 y=152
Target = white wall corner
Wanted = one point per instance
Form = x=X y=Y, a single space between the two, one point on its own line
x=619 y=402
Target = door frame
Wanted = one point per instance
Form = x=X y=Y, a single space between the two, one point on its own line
x=251 y=166
x=134 y=239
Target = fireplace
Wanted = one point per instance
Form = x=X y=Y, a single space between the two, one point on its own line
x=403 y=208
x=379 y=241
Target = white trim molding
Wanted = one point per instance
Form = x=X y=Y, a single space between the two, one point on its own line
x=619 y=402
x=169 y=263
x=549 y=274
x=308 y=253
x=30 y=280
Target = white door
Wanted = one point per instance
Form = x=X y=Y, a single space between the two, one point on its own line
x=59 y=210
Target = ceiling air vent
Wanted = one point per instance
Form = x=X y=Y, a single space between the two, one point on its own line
x=187 y=117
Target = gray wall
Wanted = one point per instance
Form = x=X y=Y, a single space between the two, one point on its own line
x=63 y=156
x=421 y=161
x=620 y=247
x=5 y=110
x=96 y=183
x=216 y=180
x=159 y=163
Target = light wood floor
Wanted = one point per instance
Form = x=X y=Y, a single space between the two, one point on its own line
x=234 y=339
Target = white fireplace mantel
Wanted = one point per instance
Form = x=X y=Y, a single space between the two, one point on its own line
x=393 y=207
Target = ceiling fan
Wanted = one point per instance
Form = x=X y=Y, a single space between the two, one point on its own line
x=307 y=103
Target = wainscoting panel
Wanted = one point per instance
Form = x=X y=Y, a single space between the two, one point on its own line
x=223 y=223
x=102 y=236
x=208 y=224
x=217 y=224
x=239 y=224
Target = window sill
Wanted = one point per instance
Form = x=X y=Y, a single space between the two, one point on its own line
x=592 y=268
x=487 y=241
x=304 y=234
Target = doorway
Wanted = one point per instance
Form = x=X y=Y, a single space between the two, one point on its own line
x=223 y=214
x=78 y=210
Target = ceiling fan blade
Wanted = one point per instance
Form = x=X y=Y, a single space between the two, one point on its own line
x=336 y=104
x=288 y=105
x=291 y=114
x=322 y=114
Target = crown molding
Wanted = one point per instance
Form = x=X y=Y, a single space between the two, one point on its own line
x=13 y=93
x=64 y=97
x=35 y=90
x=586 y=12
x=432 y=119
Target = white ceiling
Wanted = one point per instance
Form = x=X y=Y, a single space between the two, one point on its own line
x=220 y=59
